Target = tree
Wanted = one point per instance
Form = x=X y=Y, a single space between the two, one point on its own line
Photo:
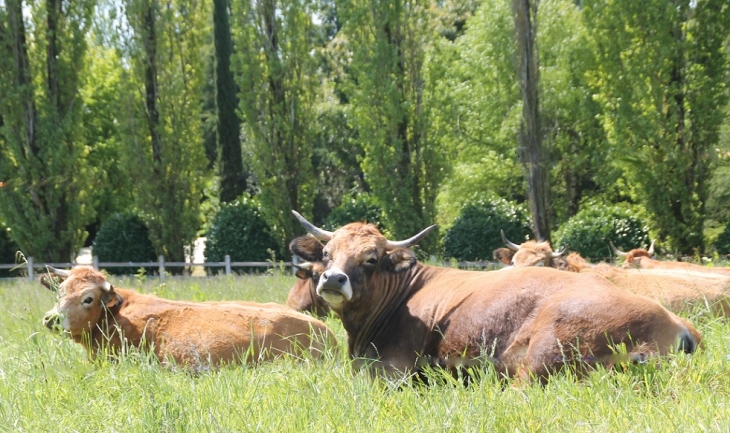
x=661 y=78
x=532 y=153
x=276 y=77
x=43 y=158
x=401 y=164
x=162 y=125
x=230 y=160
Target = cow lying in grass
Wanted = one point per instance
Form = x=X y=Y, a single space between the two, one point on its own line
x=105 y=320
x=643 y=259
x=679 y=290
x=402 y=316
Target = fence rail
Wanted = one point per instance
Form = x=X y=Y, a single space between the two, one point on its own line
x=161 y=265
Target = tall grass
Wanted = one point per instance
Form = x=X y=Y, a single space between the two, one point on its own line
x=48 y=384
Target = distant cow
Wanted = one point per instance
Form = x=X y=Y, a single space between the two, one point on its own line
x=303 y=295
x=100 y=317
x=642 y=259
x=533 y=254
x=679 y=291
x=401 y=315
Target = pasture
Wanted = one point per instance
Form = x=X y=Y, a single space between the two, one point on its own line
x=48 y=384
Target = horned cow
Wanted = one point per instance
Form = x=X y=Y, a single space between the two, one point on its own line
x=401 y=315
x=104 y=319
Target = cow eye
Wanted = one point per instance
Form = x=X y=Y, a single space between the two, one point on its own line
x=88 y=300
x=371 y=261
x=326 y=255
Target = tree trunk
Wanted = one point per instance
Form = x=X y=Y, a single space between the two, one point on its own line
x=531 y=152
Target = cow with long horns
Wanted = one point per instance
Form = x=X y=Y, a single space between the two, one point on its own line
x=401 y=315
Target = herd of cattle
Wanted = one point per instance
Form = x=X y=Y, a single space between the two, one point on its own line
x=536 y=316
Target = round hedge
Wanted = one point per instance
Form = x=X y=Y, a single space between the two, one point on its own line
x=123 y=237
x=238 y=230
x=363 y=208
x=589 y=231
x=476 y=232
x=722 y=243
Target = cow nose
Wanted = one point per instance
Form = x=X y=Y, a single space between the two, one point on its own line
x=52 y=321
x=334 y=278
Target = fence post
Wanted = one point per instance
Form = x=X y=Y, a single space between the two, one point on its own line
x=228 y=265
x=95 y=262
x=30 y=269
x=161 y=261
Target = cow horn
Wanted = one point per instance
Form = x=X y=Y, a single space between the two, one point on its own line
x=318 y=233
x=107 y=286
x=510 y=245
x=557 y=254
x=391 y=245
x=616 y=250
x=651 y=249
x=60 y=272
x=304 y=266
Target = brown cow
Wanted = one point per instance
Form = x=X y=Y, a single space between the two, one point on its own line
x=679 y=291
x=192 y=334
x=303 y=295
x=642 y=259
x=401 y=315
x=532 y=253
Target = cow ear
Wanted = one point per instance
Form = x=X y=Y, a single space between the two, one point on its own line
x=307 y=247
x=51 y=282
x=111 y=298
x=303 y=274
x=399 y=260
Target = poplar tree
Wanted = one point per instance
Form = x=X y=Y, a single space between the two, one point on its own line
x=42 y=154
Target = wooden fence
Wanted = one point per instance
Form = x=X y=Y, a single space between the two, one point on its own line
x=161 y=265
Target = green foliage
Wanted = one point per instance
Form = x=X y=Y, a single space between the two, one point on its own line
x=123 y=237
x=362 y=208
x=162 y=128
x=661 y=78
x=476 y=232
x=276 y=75
x=722 y=243
x=239 y=230
x=43 y=161
x=591 y=229
x=8 y=251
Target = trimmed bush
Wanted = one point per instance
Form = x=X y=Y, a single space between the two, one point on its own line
x=476 y=232
x=363 y=208
x=589 y=231
x=238 y=230
x=8 y=249
x=722 y=243
x=123 y=237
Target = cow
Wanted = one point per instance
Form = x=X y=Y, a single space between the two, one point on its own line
x=642 y=259
x=533 y=253
x=105 y=320
x=679 y=291
x=303 y=295
x=402 y=316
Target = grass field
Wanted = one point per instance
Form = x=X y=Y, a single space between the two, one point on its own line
x=47 y=384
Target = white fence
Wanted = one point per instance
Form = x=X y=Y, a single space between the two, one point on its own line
x=161 y=265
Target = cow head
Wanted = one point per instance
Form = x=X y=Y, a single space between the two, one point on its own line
x=83 y=296
x=352 y=255
x=633 y=254
x=303 y=295
x=532 y=253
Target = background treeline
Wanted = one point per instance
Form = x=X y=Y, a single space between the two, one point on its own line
x=403 y=113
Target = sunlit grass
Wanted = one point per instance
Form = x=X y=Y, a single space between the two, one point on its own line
x=48 y=384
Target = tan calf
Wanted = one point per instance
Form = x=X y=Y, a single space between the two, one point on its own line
x=105 y=319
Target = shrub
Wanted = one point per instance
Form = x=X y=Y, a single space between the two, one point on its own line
x=363 y=208
x=124 y=237
x=476 y=232
x=238 y=230
x=589 y=231
x=722 y=243
x=8 y=249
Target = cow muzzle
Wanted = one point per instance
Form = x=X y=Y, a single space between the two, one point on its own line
x=52 y=321
x=334 y=286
